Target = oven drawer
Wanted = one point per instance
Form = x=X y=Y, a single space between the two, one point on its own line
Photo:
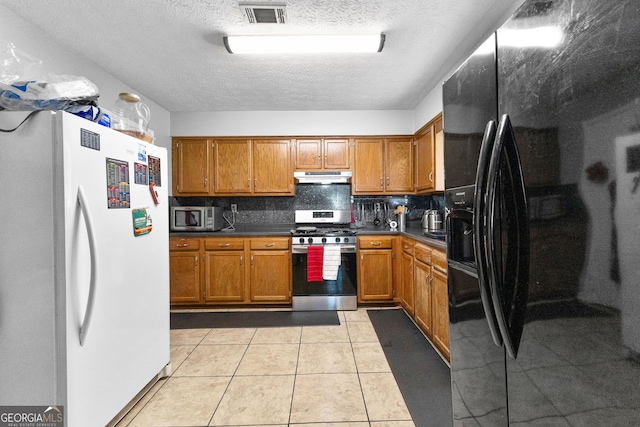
x=375 y=242
x=270 y=243
x=226 y=244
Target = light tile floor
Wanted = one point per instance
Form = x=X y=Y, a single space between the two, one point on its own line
x=316 y=376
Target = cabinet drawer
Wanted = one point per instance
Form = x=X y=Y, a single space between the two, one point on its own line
x=224 y=244
x=270 y=243
x=408 y=245
x=183 y=244
x=439 y=260
x=374 y=242
x=423 y=254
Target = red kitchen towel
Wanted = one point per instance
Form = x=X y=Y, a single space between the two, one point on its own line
x=315 y=260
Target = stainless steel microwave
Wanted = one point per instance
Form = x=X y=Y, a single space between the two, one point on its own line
x=196 y=218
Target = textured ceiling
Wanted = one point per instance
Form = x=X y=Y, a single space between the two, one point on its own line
x=171 y=51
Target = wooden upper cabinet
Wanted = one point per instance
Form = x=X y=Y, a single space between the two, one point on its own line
x=425 y=144
x=272 y=174
x=191 y=166
x=322 y=154
x=383 y=166
x=308 y=154
x=336 y=153
x=368 y=174
x=232 y=166
x=398 y=165
x=429 y=163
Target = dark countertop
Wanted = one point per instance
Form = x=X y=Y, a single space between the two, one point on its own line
x=413 y=230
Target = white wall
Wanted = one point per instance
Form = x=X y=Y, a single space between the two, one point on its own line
x=432 y=103
x=292 y=123
x=57 y=59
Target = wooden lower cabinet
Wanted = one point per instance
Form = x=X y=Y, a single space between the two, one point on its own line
x=408 y=283
x=440 y=311
x=425 y=293
x=375 y=268
x=184 y=271
x=270 y=270
x=224 y=277
x=422 y=314
x=234 y=271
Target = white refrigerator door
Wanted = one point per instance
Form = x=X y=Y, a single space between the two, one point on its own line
x=117 y=283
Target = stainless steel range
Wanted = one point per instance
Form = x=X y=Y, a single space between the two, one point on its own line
x=324 y=261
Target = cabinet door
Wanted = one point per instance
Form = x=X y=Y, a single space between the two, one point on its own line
x=224 y=276
x=336 y=154
x=184 y=277
x=308 y=154
x=399 y=165
x=375 y=281
x=439 y=158
x=270 y=276
x=272 y=167
x=191 y=166
x=423 y=297
x=407 y=283
x=425 y=164
x=440 y=301
x=369 y=166
x=232 y=166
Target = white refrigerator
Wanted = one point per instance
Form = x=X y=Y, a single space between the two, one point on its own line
x=84 y=267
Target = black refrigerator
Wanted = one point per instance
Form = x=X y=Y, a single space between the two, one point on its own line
x=542 y=176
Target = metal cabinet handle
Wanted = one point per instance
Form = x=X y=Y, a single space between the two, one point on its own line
x=381 y=182
x=268 y=245
x=388 y=183
x=251 y=260
x=182 y=245
x=241 y=257
x=224 y=245
x=206 y=182
x=431 y=176
x=255 y=183
x=376 y=243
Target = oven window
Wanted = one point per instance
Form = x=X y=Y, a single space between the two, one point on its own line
x=345 y=283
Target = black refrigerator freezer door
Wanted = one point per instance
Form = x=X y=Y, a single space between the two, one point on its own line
x=507 y=237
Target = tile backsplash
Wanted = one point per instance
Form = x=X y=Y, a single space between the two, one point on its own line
x=280 y=210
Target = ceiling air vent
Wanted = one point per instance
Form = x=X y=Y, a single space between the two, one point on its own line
x=264 y=13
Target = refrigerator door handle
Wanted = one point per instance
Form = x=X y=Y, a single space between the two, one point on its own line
x=93 y=253
x=510 y=282
x=480 y=230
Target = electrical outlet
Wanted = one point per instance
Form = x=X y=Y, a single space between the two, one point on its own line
x=234 y=208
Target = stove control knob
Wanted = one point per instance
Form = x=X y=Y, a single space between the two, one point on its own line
x=346 y=239
x=337 y=240
x=324 y=240
x=302 y=240
x=310 y=240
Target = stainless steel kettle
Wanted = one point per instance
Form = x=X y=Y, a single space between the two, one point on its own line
x=431 y=220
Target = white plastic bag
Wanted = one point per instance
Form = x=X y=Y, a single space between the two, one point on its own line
x=22 y=89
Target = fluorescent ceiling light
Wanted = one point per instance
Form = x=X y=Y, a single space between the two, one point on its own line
x=369 y=43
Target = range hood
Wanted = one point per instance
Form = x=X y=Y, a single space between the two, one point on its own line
x=322 y=177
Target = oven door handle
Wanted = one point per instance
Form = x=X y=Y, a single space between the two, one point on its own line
x=344 y=249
